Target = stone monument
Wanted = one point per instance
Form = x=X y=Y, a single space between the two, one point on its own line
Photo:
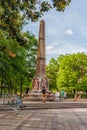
x=40 y=78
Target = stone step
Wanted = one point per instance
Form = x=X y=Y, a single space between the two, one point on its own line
x=47 y=105
x=56 y=105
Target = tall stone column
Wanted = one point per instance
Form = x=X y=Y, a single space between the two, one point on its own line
x=40 y=79
x=41 y=54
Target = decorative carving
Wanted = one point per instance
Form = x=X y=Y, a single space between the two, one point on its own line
x=35 y=84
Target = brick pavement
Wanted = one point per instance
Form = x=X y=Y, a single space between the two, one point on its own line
x=46 y=119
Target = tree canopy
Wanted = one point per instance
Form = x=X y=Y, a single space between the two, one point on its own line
x=17 y=63
x=68 y=72
x=15 y=13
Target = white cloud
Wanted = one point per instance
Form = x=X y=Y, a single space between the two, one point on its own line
x=69 y=32
x=52 y=46
x=54 y=49
x=49 y=48
x=58 y=49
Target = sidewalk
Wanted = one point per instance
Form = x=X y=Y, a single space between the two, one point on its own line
x=49 y=119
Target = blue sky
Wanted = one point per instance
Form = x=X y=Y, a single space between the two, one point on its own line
x=65 y=32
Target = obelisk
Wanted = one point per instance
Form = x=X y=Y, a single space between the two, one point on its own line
x=40 y=79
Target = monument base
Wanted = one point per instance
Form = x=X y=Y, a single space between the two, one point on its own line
x=34 y=95
x=37 y=85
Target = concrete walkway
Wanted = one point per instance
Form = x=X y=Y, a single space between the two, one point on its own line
x=46 y=119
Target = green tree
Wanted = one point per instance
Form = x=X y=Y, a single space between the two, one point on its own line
x=69 y=72
x=51 y=70
x=17 y=63
x=72 y=70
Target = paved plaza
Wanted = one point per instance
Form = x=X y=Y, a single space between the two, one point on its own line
x=44 y=119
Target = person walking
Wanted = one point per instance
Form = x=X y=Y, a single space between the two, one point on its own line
x=44 y=94
x=62 y=94
x=57 y=96
x=17 y=101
